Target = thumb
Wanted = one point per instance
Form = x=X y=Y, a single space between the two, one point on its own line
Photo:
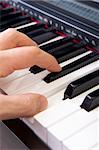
x=25 y=105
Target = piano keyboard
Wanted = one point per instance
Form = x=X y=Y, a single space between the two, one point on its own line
x=71 y=120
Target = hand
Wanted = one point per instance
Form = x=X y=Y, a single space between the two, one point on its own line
x=17 y=51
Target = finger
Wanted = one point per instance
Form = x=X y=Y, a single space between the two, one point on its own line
x=26 y=105
x=11 y=38
x=20 y=58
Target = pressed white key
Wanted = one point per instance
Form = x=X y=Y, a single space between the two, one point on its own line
x=57 y=85
x=26 y=25
x=69 y=127
x=17 y=74
x=85 y=139
x=52 y=40
x=46 y=88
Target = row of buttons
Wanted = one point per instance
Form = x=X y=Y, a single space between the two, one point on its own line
x=62 y=28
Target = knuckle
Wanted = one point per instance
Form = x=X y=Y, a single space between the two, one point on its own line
x=30 y=105
x=11 y=30
x=36 y=51
x=28 y=99
x=5 y=71
x=32 y=97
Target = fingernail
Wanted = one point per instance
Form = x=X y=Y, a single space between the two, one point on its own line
x=57 y=68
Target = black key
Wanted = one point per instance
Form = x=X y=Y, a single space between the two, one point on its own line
x=0 y=9
x=17 y=24
x=31 y=28
x=61 y=50
x=36 y=69
x=13 y=22
x=71 y=54
x=10 y=15
x=81 y=85
x=55 y=44
x=66 y=49
x=91 y=101
x=44 y=37
x=72 y=67
x=1 y=4
x=36 y=32
x=6 y=10
x=20 y=23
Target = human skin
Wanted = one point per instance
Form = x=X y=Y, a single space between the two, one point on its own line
x=18 y=51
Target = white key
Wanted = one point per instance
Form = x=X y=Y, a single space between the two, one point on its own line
x=23 y=82
x=51 y=116
x=42 y=87
x=17 y=74
x=69 y=127
x=55 y=86
x=26 y=25
x=59 y=109
x=79 y=99
x=58 y=97
x=85 y=139
x=29 y=122
x=52 y=40
x=53 y=100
